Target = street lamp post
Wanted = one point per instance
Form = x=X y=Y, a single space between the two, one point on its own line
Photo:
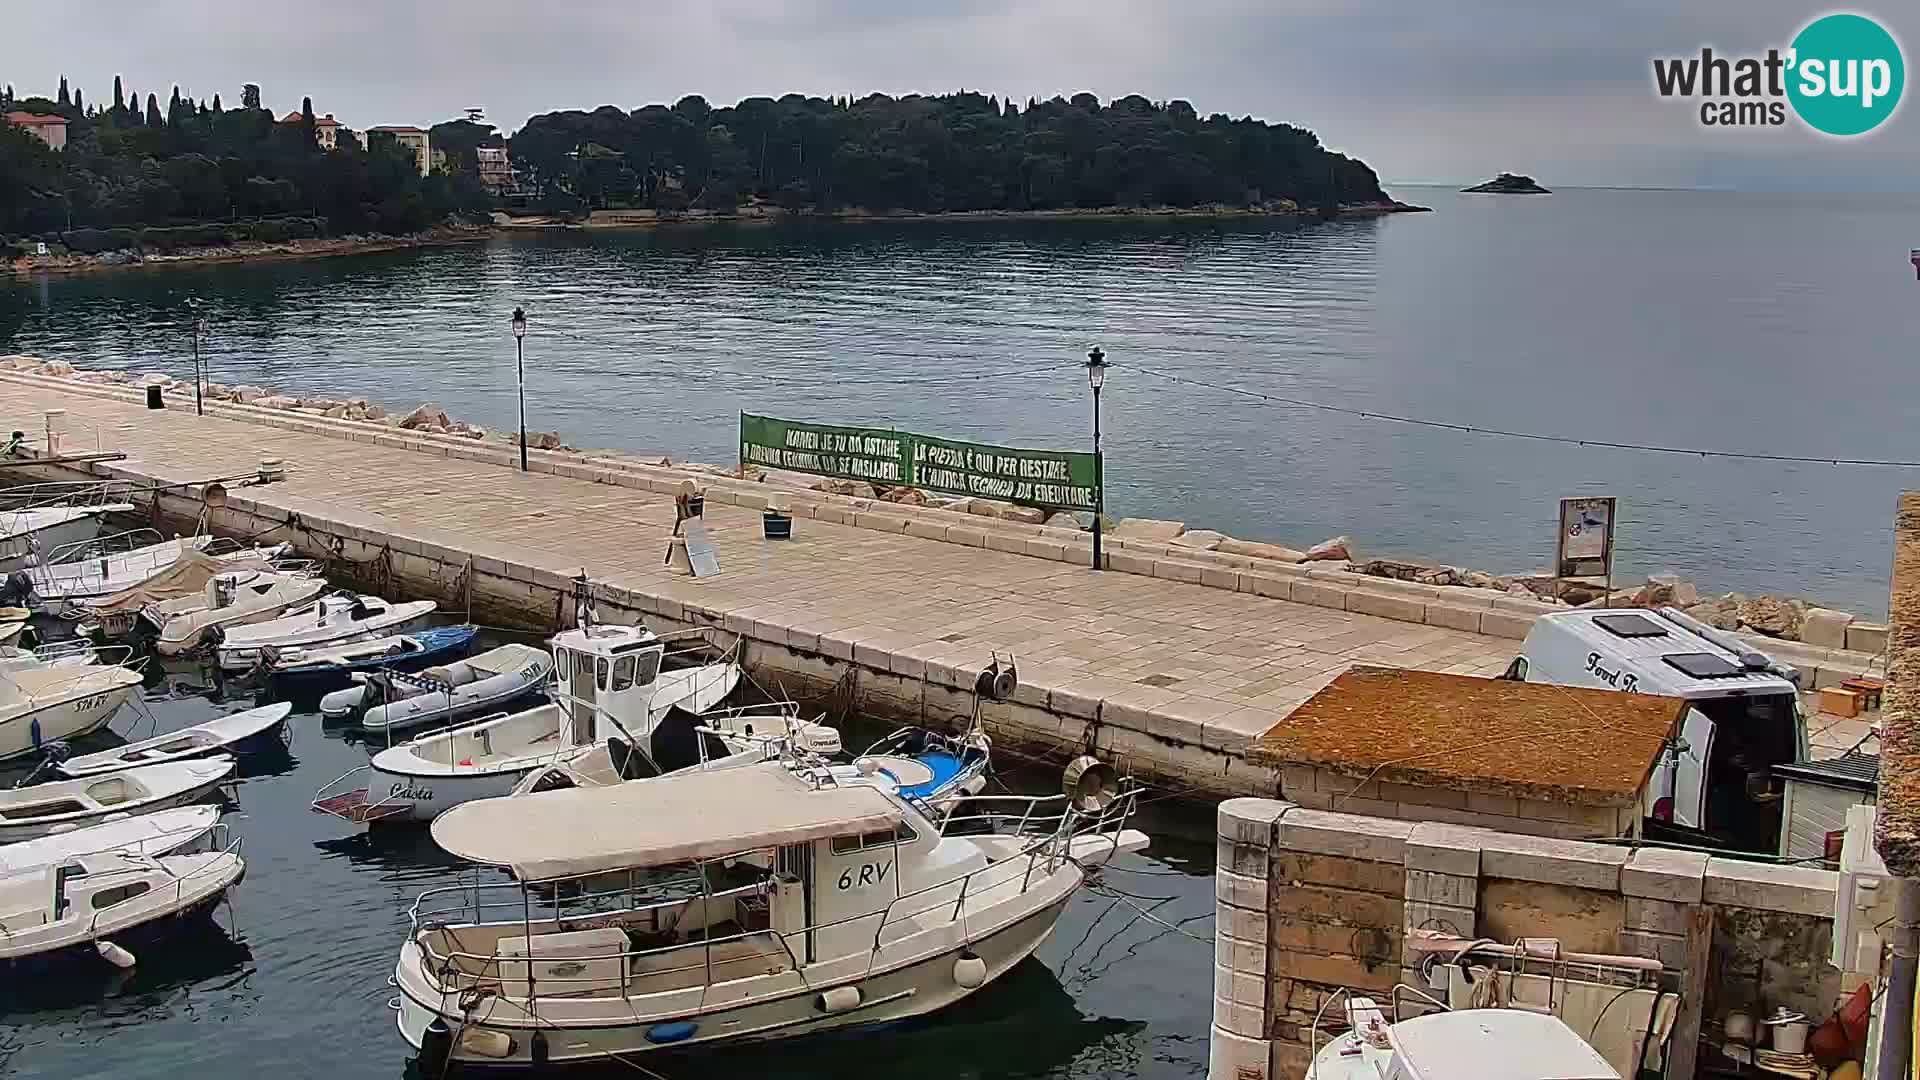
x=520 y=374
x=199 y=331
x=1097 y=376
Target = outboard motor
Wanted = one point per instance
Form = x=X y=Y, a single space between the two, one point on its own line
x=17 y=590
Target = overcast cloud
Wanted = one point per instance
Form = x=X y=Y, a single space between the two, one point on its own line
x=1442 y=92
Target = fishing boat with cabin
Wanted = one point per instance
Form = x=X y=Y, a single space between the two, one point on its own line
x=731 y=905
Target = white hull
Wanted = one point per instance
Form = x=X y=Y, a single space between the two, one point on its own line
x=15 y=551
x=914 y=989
x=185 y=631
x=242 y=649
x=67 y=805
x=68 y=719
x=427 y=797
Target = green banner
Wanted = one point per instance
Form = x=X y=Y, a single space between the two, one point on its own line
x=1054 y=479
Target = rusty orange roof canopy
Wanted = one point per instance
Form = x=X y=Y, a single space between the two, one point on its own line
x=1493 y=736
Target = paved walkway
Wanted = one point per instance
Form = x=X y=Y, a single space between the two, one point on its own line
x=1233 y=662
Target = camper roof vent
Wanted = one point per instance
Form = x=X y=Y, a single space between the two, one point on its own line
x=1629 y=626
x=1702 y=665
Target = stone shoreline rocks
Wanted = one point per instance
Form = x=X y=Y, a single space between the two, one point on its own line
x=1782 y=618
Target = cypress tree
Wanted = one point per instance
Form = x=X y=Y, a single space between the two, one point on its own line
x=79 y=105
x=153 y=112
x=133 y=108
x=65 y=98
x=119 y=99
x=306 y=120
x=173 y=108
x=217 y=110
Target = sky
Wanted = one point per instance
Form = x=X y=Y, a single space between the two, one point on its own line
x=1444 y=93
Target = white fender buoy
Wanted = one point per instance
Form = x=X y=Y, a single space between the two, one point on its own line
x=970 y=971
x=114 y=954
x=838 y=999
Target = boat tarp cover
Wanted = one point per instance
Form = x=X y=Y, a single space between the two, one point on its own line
x=188 y=574
x=669 y=819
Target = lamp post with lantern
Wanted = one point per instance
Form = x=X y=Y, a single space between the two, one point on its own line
x=520 y=376
x=1096 y=377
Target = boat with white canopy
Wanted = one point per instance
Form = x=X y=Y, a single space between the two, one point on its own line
x=749 y=903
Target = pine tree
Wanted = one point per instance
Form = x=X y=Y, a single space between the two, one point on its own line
x=65 y=98
x=153 y=112
x=119 y=99
x=250 y=96
x=217 y=110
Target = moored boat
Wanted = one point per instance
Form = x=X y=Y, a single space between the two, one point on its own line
x=444 y=693
x=248 y=732
x=79 y=905
x=331 y=620
x=45 y=699
x=45 y=809
x=162 y=832
x=220 y=602
x=800 y=904
x=305 y=672
x=607 y=685
x=82 y=574
x=27 y=531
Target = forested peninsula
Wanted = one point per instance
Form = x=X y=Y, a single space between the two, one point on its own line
x=134 y=180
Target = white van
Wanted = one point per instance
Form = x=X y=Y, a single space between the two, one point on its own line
x=1716 y=785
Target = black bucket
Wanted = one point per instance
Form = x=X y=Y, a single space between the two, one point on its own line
x=697 y=506
x=153 y=398
x=778 y=526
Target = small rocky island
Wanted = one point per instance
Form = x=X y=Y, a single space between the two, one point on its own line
x=1509 y=184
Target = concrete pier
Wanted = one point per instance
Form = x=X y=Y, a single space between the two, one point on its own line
x=1170 y=663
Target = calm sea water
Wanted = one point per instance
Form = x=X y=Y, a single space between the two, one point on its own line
x=1761 y=323
x=290 y=979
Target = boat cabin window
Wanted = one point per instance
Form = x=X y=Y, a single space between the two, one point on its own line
x=603 y=668
x=109 y=897
x=647 y=667
x=623 y=673
x=582 y=673
x=563 y=668
x=847 y=845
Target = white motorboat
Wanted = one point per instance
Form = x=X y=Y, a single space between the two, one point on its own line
x=224 y=601
x=330 y=620
x=247 y=732
x=160 y=833
x=445 y=693
x=1469 y=1044
x=48 y=527
x=84 y=902
x=80 y=576
x=607 y=685
x=49 y=699
x=45 y=809
x=800 y=905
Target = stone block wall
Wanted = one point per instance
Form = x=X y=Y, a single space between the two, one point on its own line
x=1320 y=788
x=1311 y=902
